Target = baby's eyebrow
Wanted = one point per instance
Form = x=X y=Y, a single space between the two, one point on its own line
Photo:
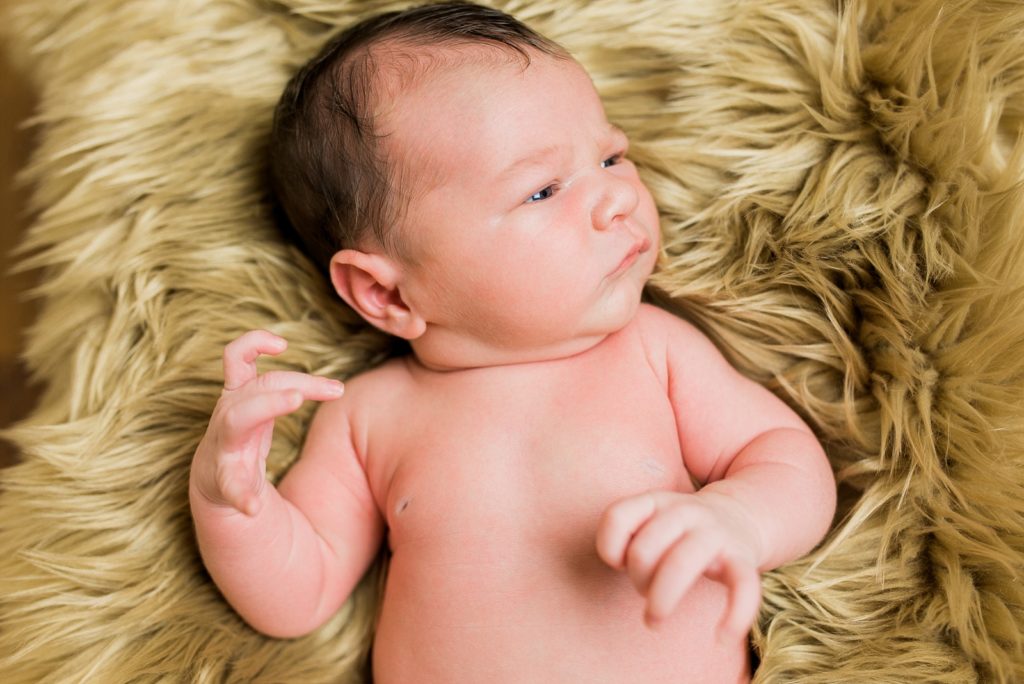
x=533 y=158
x=538 y=156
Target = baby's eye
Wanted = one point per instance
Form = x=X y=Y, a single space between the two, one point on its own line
x=541 y=195
x=611 y=161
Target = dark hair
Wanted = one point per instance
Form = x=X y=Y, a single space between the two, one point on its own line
x=328 y=171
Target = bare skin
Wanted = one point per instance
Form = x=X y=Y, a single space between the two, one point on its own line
x=532 y=465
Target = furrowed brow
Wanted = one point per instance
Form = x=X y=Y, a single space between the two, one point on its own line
x=532 y=159
x=540 y=155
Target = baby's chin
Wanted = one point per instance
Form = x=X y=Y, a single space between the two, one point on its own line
x=624 y=300
x=616 y=311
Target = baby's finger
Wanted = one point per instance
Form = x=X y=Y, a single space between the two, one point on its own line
x=240 y=356
x=653 y=540
x=744 y=584
x=313 y=387
x=240 y=420
x=618 y=523
x=677 y=572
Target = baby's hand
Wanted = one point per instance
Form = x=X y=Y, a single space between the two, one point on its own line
x=666 y=540
x=230 y=462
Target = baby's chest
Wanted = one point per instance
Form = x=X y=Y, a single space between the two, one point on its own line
x=537 y=465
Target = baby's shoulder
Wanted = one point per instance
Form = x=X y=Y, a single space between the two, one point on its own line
x=666 y=335
x=370 y=396
x=380 y=383
x=658 y=328
x=377 y=386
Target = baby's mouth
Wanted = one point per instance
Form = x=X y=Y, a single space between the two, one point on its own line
x=634 y=252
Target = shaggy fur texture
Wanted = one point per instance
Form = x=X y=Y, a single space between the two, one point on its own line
x=840 y=185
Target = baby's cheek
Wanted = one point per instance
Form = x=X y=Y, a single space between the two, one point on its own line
x=646 y=205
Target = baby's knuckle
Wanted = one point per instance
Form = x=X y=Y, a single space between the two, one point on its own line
x=232 y=348
x=640 y=554
x=274 y=380
x=231 y=419
x=617 y=518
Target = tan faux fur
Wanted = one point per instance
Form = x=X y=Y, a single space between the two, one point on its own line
x=840 y=185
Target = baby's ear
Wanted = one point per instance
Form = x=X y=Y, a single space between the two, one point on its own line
x=369 y=284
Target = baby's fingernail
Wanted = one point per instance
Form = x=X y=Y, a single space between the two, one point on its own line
x=335 y=387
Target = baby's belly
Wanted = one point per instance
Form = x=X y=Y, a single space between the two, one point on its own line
x=515 y=610
x=493 y=497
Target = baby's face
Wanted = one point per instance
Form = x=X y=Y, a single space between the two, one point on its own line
x=528 y=224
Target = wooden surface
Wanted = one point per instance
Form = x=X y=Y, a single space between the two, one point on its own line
x=16 y=104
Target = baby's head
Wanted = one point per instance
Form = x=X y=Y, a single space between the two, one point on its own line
x=455 y=174
x=340 y=183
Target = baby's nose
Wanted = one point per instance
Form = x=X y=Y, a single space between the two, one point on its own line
x=617 y=199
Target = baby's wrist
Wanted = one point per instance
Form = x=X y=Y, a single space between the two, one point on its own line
x=740 y=518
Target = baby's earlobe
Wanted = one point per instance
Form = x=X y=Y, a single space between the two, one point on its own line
x=404 y=323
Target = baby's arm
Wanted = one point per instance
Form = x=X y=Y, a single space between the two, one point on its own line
x=767 y=494
x=285 y=558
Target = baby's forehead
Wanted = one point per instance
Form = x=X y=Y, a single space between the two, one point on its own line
x=417 y=86
x=448 y=111
x=398 y=65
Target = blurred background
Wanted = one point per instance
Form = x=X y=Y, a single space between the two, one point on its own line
x=17 y=102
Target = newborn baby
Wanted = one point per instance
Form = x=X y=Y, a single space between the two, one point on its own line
x=574 y=486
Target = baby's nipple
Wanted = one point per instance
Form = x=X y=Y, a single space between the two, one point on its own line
x=402 y=504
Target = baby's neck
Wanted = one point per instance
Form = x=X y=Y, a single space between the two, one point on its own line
x=453 y=355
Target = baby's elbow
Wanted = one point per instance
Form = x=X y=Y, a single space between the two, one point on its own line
x=294 y=614
x=822 y=484
x=289 y=617
x=807 y=457
x=300 y=616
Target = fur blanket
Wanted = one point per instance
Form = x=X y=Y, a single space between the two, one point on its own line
x=840 y=186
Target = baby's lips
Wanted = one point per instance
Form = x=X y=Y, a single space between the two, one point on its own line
x=637 y=249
